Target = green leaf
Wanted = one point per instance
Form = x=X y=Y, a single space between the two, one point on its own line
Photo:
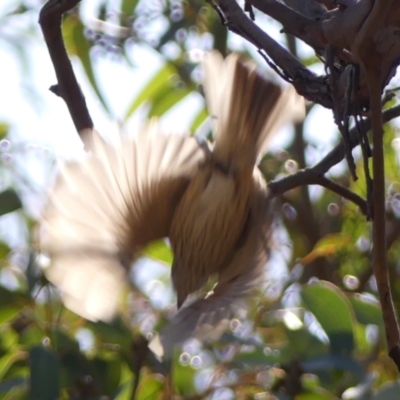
x=114 y=332
x=318 y=394
x=8 y=339
x=128 y=7
x=333 y=311
x=150 y=387
x=328 y=245
x=258 y=357
x=367 y=310
x=183 y=377
x=4 y=128
x=9 y=201
x=31 y=335
x=11 y=304
x=107 y=373
x=199 y=119
x=8 y=360
x=165 y=101
x=4 y=250
x=159 y=251
x=44 y=374
x=303 y=343
x=156 y=84
x=77 y=45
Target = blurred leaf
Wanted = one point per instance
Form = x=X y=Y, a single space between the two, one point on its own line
x=258 y=357
x=367 y=310
x=183 y=377
x=199 y=119
x=77 y=45
x=165 y=101
x=7 y=385
x=332 y=362
x=9 y=201
x=44 y=374
x=159 y=251
x=107 y=373
x=63 y=342
x=150 y=387
x=328 y=245
x=8 y=339
x=4 y=128
x=318 y=394
x=128 y=7
x=333 y=311
x=303 y=343
x=11 y=304
x=31 y=335
x=4 y=250
x=156 y=84
x=7 y=361
x=114 y=332
x=389 y=391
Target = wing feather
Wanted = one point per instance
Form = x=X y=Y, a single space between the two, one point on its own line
x=106 y=207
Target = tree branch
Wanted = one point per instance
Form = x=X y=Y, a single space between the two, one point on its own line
x=369 y=53
x=50 y=19
x=307 y=84
x=311 y=175
x=295 y=23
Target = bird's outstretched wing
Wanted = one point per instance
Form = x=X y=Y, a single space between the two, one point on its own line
x=246 y=108
x=106 y=207
x=208 y=318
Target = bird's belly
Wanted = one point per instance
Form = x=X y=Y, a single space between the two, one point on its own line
x=206 y=227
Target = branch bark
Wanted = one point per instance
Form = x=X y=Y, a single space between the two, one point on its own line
x=311 y=175
x=307 y=83
x=50 y=19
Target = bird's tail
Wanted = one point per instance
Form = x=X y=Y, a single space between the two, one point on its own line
x=246 y=109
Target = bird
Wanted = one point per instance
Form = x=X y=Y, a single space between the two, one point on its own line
x=209 y=199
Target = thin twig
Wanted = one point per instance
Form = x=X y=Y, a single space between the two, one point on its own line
x=309 y=175
x=344 y=192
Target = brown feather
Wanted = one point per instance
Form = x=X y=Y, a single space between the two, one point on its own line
x=106 y=207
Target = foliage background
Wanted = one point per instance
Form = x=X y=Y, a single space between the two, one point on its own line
x=315 y=331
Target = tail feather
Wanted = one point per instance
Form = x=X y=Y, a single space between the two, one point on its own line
x=246 y=108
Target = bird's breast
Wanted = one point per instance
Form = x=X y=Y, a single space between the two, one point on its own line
x=206 y=226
